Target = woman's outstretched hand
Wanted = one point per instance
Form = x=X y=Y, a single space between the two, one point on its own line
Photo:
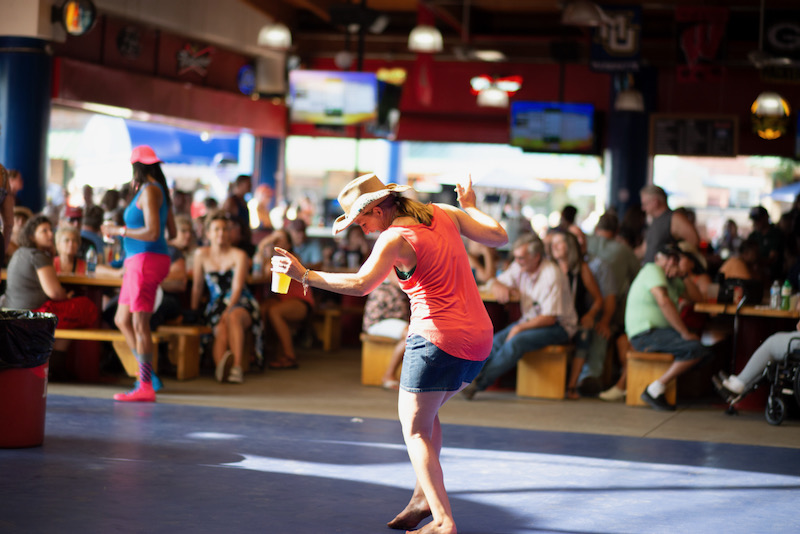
x=465 y=194
x=285 y=262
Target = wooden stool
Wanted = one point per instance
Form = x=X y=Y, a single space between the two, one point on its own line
x=643 y=369
x=543 y=373
x=376 y=352
x=328 y=326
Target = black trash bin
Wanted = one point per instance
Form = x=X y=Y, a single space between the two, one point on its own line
x=26 y=341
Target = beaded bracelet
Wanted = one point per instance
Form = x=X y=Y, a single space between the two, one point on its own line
x=305 y=281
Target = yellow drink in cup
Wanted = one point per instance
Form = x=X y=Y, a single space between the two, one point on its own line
x=280 y=283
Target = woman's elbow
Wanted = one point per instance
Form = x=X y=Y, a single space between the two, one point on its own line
x=499 y=238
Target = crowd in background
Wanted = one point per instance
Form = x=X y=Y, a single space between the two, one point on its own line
x=595 y=270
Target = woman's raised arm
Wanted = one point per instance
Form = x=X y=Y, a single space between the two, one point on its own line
x=472 y=222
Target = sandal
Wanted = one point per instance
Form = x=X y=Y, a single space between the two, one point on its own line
x=284 y=363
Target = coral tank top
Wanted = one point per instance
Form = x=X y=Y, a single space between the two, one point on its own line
x=446 y=308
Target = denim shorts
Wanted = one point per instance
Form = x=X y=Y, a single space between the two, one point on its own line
x=426 y=367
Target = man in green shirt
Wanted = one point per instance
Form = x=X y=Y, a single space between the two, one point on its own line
x=652 y=320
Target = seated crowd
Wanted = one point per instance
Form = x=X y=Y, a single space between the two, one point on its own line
x=626 y=285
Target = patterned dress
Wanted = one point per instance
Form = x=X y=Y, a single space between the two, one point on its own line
x=219 y=286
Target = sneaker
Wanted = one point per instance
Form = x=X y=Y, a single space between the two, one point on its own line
x=157 y=383
x=221 y=369
x=612 y=394
x=727 y=395
x=734 y=384
x=657 y=403
x=143 y=393
x=469 y=391
x=236 y=375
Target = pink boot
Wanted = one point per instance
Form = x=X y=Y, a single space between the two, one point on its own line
x=143 y=393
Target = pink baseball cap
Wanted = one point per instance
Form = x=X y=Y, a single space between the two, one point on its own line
x=144 y=154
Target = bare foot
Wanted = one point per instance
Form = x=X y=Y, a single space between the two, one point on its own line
x=416 y=510
x=447 y=527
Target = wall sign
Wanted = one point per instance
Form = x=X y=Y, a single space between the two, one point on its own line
x=194 y=58
x=77 y=16
x=246 y=80
x=694 y=135
x=129 y=42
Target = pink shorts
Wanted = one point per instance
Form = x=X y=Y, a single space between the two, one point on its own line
x=143 y=273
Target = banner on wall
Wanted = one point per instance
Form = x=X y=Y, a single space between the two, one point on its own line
x=701 y=42
x=616 y=43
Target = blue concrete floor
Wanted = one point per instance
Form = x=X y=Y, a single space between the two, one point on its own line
x=110 y=467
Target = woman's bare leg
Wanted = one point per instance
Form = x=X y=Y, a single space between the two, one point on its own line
x=238 y=322
x=144 y=337
x=280 y=314
x=221 y=338
x=397 y=359
x=124 y=321
x=419 y=416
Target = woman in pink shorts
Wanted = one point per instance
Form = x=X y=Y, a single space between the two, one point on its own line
x=146 y=263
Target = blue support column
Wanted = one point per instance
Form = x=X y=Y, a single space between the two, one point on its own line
x=25 y=81
x=628 y=144
x=628 y=151
x=269 y=159
x=394 y=163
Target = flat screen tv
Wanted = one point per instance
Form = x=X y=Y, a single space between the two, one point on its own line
x=553 y=127
x=335 y=98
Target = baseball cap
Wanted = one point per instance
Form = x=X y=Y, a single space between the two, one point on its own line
x=73 y=212
x=691 y=252
x=144 y=154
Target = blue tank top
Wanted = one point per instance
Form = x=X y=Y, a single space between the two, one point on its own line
x=134 y=218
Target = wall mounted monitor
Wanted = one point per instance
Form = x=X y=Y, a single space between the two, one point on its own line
x=553 y=127
x=334 y=98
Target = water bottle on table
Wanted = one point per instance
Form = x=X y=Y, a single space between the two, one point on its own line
x=91 y=260
x=775 y=296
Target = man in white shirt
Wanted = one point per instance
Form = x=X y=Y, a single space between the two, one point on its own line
x=548 y=314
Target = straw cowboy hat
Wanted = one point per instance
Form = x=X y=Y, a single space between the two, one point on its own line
x=360 y=195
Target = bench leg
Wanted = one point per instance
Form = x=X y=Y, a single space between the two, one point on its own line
x=331 y=332
x=187 y=356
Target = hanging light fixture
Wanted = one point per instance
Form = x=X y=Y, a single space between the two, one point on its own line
x=276 y=36
x=628 y=98
x=426 y=39
x=494 y=92
x=493 y=97
x=770 y=115
x=582 y=13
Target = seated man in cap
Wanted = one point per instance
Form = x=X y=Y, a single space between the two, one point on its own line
x=652 y=320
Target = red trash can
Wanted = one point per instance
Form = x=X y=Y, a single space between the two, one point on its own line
x=23 y=400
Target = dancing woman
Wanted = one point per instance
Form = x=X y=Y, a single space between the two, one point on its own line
x=450 y=334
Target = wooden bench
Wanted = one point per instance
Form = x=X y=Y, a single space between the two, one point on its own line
x=184 y=348
x=643 y=369
x=184 y=343
x=543 y=373
x=376 y=352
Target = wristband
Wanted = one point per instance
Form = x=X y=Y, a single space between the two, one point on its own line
x=123 y=231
